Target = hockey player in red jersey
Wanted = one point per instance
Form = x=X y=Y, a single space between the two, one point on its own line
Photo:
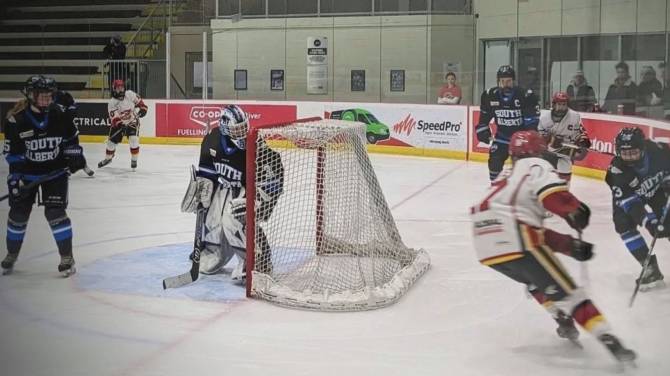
x=567 y=140
x=125 y=121
x=510 y=237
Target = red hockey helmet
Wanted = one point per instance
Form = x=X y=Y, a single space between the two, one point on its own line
x=527 y=144
x=118 y=89
x=560 y=96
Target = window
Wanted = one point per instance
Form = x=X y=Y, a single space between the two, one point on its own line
x=452 y=6
x=279 y=7
x=400 y=6
x=643 y=47
x=346 y=6
x=253 y=7
x=561 y=64
x=362 y=119
x=228 y=7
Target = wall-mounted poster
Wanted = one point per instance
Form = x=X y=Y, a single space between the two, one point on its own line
x=317 y=65
x=358 y=80
x=397 y=80
x=240 y=79
x=277 y=79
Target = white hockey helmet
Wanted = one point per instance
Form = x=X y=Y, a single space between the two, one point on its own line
x=234 y=123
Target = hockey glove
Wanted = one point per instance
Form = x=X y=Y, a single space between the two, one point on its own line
x=238 y=208
x=205 y=188
x=655 y=228
x=483 y=133
x=581 y=250
x=14 y=184
x=666 y=184
x=584 y=141
x=579 y=219
x=142 y=112
x=74 y=155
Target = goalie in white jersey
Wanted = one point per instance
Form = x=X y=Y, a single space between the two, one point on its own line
x=566 y=137
x=509 y=237
x=125 y=121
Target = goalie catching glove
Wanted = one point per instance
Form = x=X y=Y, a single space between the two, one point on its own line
x=199 y=192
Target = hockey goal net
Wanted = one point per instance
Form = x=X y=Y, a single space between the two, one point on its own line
x=330 y=242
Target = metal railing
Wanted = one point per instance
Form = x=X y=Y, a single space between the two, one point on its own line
x=144 y=77
x=155 y=25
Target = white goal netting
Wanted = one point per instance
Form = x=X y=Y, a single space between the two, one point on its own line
x=332 y=244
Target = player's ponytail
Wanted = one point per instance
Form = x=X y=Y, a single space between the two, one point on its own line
x=18 y=107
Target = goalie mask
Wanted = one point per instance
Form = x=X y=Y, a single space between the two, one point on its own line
x=234 y=123
x=39 y=91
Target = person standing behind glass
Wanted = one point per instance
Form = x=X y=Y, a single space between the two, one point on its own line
x=450 y=93
x=622 y=92
x=650 y=90
x=581 y=94
x=665 y=80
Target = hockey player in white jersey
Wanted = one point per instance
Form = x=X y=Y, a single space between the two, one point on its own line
x=509 y=236
x=566 y=138
x=125 y=121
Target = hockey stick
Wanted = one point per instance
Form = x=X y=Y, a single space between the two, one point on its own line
x=35 y=183
x=192 y=275
x=583 y=267
x=651 y=251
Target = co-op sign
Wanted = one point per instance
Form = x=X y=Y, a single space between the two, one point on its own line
x=208 y=116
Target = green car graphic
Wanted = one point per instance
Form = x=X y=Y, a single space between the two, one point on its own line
x=376 y=130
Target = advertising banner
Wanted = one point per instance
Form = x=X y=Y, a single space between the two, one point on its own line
x=433 y=127
x=195 y=120
x=92 y=118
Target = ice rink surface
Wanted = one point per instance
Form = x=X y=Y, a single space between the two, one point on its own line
x=113 y=318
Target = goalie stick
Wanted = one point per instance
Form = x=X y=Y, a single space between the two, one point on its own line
x=193 y=274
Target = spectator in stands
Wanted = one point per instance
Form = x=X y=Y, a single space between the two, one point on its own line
x=115 y=49
x=450 y=93
x=118 y=70
x=622 y=94
x=532 y=80
x=581 y=94
x=650 y=90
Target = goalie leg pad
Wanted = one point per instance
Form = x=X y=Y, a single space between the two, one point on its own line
x=213 y=259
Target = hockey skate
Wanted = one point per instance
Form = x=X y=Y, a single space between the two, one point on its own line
x=615 y=347
x=566 y=327
x=652 y=278
x=133 y=165
x=66 y=266
x=8 y=263
x=104 y=162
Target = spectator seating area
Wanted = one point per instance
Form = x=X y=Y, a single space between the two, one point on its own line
x=65 y=40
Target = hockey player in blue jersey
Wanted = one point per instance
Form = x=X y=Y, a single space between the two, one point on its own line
x=513 y=108
x=639 y=177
